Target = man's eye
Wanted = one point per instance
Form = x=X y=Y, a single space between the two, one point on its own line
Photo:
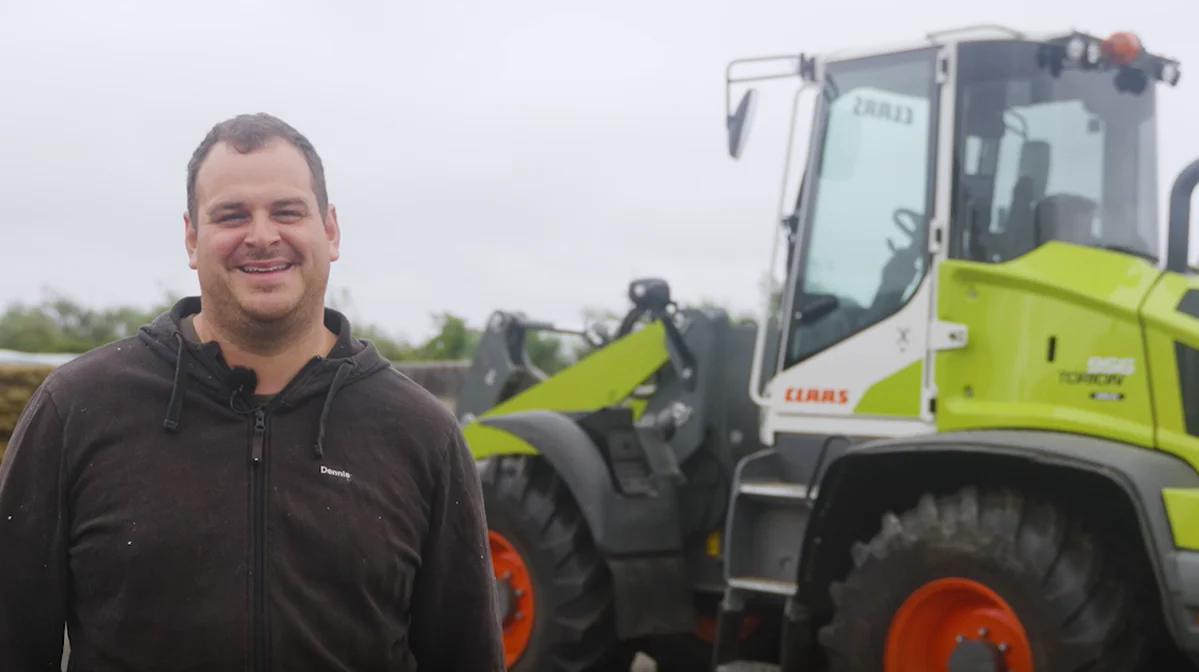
x=289 y=213
x=228 y=218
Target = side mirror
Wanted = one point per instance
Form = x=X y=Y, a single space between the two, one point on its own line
x=740 y=121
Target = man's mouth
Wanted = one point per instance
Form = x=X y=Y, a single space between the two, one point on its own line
x=275 y=268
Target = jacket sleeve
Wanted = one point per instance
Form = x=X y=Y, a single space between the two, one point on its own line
x=33 y=523
x=454 y=627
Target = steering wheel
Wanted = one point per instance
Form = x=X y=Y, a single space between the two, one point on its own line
x=898 y=217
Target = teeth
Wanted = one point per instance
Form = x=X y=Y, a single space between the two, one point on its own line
x=255 y=269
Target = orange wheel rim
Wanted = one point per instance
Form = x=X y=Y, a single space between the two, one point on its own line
x=512 y=580
x=941 y=614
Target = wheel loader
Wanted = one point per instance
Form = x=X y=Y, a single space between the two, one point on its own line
x=963 y=435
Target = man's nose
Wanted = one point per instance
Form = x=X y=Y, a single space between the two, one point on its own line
x=263 y=231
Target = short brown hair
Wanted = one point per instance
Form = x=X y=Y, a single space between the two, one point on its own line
x=249 y=132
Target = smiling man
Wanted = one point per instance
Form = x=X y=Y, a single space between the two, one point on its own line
x=244 y=485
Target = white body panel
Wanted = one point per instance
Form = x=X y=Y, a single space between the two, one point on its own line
x=875 y=353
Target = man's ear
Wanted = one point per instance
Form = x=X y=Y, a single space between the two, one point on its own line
x=189 y=240
x=333 y=233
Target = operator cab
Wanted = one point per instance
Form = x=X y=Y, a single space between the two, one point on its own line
x=978 y=145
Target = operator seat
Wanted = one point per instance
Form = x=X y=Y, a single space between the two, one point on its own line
x=1066 y=217
x=1019 y=234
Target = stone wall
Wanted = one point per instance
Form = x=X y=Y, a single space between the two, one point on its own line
x=17 y=383
x=443 y=378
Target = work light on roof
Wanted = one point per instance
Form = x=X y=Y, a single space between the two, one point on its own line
x=1076 y=48
x=1121 y=49
x=1083 y=49
x=1169 y=73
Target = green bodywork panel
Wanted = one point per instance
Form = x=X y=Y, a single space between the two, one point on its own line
x=1035 y=325
x=486 y=441
x=897 y=395
x=1079 y=302
x=606 y=377
x=1164 y=326
x=1182 y=507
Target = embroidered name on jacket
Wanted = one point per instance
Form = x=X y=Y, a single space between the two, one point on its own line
x=335 y=472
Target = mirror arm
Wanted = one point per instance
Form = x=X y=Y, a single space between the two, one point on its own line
x=804 y=68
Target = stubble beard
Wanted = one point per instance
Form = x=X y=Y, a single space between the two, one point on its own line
x=266 y=334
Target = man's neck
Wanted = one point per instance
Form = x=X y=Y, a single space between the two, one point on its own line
x=274 y=367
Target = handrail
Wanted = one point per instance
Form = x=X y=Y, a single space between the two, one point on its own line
x=1178 y=235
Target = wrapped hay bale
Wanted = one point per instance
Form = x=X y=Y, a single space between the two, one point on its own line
x=17 y=383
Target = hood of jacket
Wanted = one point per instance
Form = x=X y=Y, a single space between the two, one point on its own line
x=203 y=368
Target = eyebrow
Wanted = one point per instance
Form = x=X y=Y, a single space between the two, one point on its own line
x=289 y=203
x=222 y=207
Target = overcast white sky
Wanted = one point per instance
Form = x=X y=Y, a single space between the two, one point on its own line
x=526 y=154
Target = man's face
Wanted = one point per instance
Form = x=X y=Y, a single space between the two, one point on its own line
x=259 y=245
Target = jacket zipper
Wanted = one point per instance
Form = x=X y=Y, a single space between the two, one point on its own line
x=259 y=516
x=258 y=494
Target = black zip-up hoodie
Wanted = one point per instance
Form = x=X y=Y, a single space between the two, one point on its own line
x=171 y=522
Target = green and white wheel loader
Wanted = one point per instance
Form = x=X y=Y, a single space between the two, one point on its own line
x=964 y=435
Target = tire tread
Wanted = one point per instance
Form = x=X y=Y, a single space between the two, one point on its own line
x=1092 y=611
x=580 y=634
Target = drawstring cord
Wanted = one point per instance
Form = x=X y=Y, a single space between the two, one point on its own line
x=338 y=379
x=175 y=407
x=179 y=390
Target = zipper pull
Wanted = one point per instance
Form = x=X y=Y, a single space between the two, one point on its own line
x=259 y=436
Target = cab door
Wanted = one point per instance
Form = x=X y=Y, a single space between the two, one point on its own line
x=853 y=353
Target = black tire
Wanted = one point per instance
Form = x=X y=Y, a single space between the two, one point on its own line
x=1078 y=606
x=573 y=616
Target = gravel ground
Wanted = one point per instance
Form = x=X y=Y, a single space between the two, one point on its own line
x=641 y=664
x=644 y=664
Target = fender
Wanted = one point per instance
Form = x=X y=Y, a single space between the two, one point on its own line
x=1145 y=476
x=619 y=524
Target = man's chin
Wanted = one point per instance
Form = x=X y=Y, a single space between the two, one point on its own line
x=268 y=310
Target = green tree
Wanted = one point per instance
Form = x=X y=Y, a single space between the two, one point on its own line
x=457 y=340
x=454 y=339
x=60 y=324
x=394 y=349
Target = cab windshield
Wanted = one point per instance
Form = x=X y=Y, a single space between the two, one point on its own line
x=1040 y=157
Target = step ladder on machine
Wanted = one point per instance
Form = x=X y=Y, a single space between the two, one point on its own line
x=771 y=499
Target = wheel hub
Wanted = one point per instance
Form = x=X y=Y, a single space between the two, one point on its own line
x=976 y=655
x=960 y=625
x=505 y=598
x=514 y=596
